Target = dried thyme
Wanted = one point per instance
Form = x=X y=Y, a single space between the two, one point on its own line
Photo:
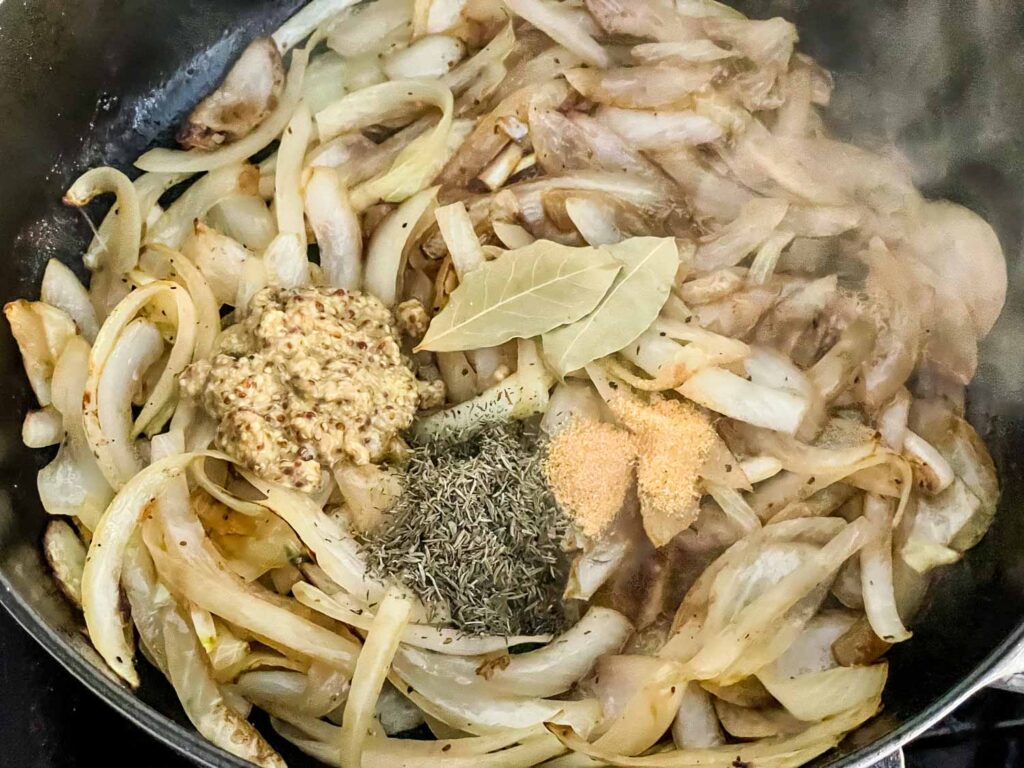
x=478 y=532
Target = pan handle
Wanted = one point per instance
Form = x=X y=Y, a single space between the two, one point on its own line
x=895 y=760
x=1009 y=674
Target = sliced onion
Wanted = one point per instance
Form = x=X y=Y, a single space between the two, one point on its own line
x=335 y=550
x=642 y=87
x=149 y=188
x=562 y=26
x=696 y=724
x=790 y=750
x=197 y=161
x=719 y=390
x=755 y=224
x=72 y=484
x=194 y=572
x=285 y=262
x=123 y=249
x=65 y=554
x=244 y=218
x=656 y=19
x=61 y=289
x=473 y=68
x=101 y=594
x=302 y=24
x=545 y=672
x=166 y=634
x=337 y=228
x=457 y=230
x=138 y=347
x=648 y=712
x=692 y=51
x=659 y=130
x=371 y=670
x=512 y=235
x=42 y=428
x=520 y=396
x=428 y=56
x=372 y=29
x=219 y=258
x=819 y=695
x=935 y=472
x=178 y=221
x=594 y=220
x=417 y=163
x=732 y=503
x=325 y=81
x=387 y=250
x=291 y=152
x=482 y=711
x=720 y=652
x=351 y=611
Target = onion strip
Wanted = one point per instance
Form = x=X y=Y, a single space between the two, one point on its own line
x=438 y=639
x=370 y=672
x=197 y=161
x=101 y=594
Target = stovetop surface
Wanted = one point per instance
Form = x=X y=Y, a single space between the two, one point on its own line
x=49 y=720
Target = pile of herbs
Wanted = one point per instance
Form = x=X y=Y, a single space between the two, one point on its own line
x=477 y=532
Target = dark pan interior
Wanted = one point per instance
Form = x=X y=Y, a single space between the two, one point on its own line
x=88 y=82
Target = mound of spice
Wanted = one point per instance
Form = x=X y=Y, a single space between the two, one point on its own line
x=477 y=532
x=590 y=466
x=672 y=440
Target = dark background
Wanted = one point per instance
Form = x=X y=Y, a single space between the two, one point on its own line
x=49 y=720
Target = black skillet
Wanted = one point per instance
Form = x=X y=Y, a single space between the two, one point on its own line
x=90 y=82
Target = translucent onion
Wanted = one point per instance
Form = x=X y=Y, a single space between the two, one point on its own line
x=73 y=484
x=197 y=161
x=192 y=572
x=61 y=289
x=659 y=130
x=545 y=672
x=123 y=247
x=244 y=218
x=783 y=751
x=481 y=711
x=149 y=188
x=724 y=392
x=387 y=250
x=416 y=164
x=371 y=670
x=65 y=554
x=178 y=221
x=42 y=428
x=171 y=642
x=428 y=56
x=444 y=640
x=286 y=262
x=718 y=653
x=138 y=347
x=288 y=203
x=562 y=26
x=219 y=258
x=307 y=19
x=101 y=594
x=339 y=234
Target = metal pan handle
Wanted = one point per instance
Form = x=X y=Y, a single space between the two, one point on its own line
x=1008 y=676
x=895 y=760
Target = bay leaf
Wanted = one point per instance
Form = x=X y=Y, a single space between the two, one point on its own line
x=524 y=293
x=633 y=302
